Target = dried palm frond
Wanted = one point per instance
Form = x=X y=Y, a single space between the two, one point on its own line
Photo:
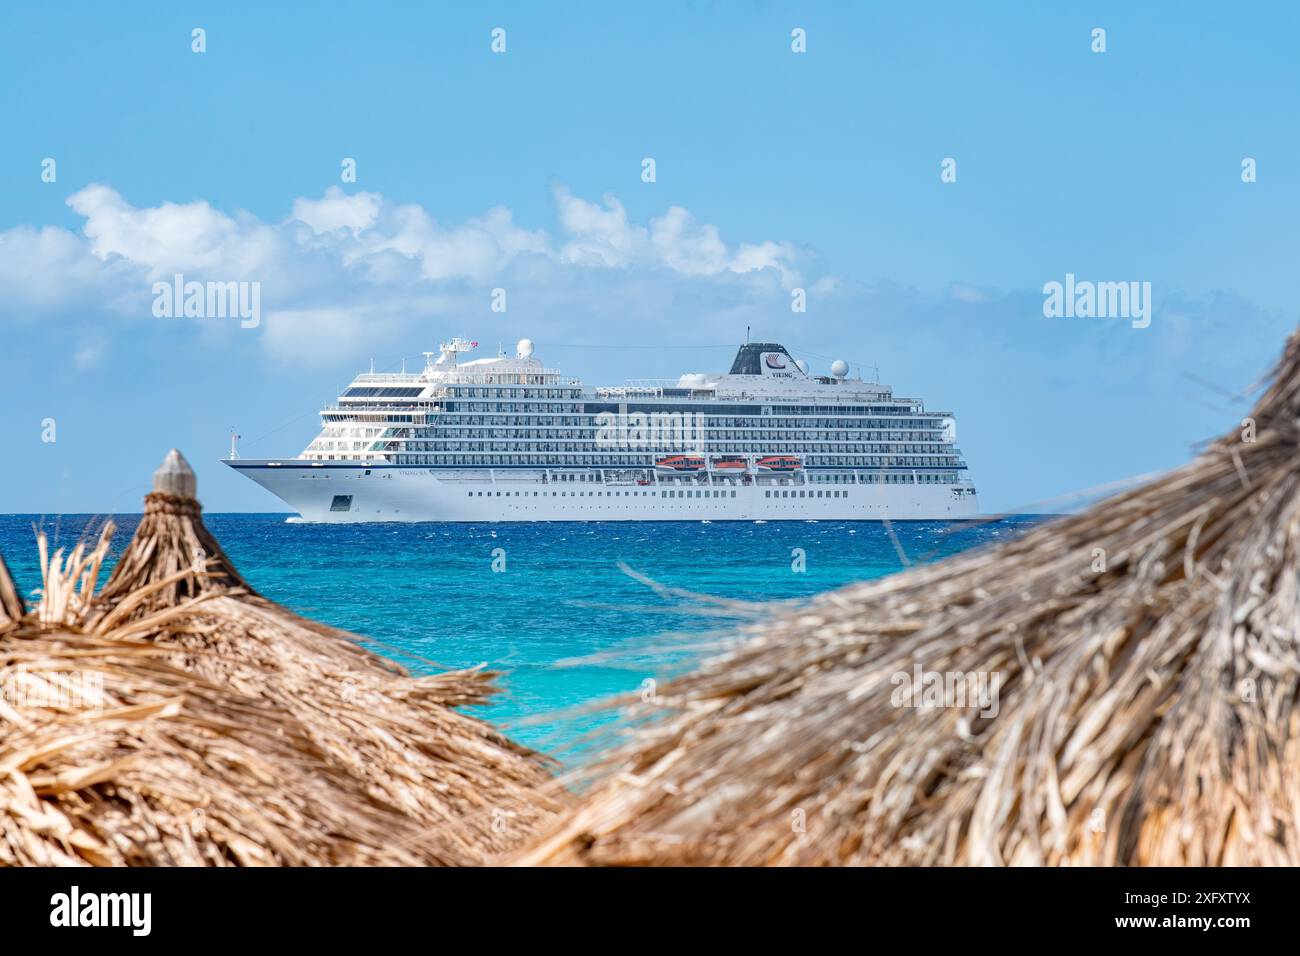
x=1148 y=675
x=472 y=792
x=110 y=756
x=11 y=604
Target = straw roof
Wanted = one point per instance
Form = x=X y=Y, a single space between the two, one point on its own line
x=109 y=756
x=1146 y=707
x=11 y=604
x=393 y=757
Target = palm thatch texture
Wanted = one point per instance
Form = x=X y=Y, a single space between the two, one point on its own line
x=1145 y=653
x=297 y=744
x=110 y=756
x=11 y=604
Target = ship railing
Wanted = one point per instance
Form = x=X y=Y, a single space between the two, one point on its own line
x=424 y=406
x=630 y=391
x=507 y=377
x=409 y=377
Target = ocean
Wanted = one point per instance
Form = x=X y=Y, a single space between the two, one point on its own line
x=539 y=601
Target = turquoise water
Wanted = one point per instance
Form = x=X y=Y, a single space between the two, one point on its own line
x=429 y=590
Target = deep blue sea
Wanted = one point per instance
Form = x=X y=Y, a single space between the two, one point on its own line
x=428 y=594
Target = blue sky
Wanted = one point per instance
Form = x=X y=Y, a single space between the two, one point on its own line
x=522 y=171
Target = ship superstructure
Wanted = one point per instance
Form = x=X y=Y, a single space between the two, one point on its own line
x=509 y=439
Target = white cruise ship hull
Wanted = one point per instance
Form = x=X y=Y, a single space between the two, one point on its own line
x=344 y=493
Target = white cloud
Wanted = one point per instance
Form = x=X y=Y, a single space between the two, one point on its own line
x=174 y=237
x=477 y=250
x=600 y=235
x=337 y=210
x=675 y=241
x=352 y=230
x=342 y=266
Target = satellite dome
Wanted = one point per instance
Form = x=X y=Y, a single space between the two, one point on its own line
x=839 y=368
x=525 y=348
x=803 y=366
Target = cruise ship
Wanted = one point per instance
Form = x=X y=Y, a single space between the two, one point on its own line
x=509 y=439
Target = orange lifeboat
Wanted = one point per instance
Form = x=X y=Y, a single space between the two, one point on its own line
x=780 y=463
x=681 y=463
x=730 y=464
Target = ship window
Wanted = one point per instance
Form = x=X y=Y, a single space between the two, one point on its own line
x=341 y=503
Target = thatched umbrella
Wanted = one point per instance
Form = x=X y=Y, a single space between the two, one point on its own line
x=109 y=756
x=1147 y=668
x=470 y=792
x=11 y=604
